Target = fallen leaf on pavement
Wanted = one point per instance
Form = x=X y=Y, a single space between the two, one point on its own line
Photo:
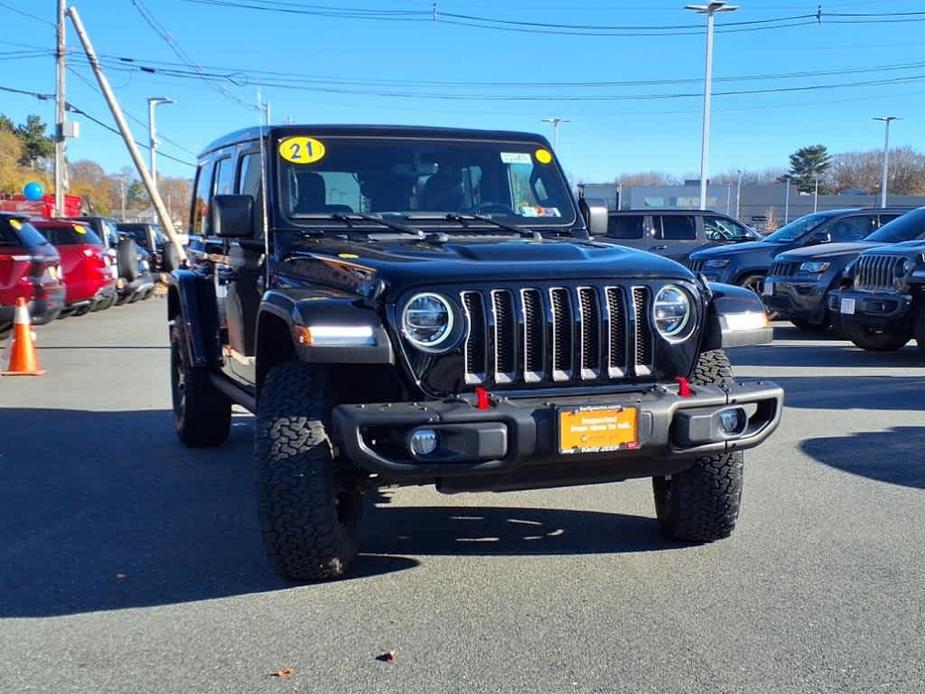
x=121 y=575
x=388 y=657
x=285 y=673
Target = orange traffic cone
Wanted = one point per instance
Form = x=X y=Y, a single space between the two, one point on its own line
x=23 y=359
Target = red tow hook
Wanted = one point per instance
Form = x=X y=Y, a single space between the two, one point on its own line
x=482 y=401
x=684 y=387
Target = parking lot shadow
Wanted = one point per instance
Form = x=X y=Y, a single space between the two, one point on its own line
x=106 y=510
x=893 y=456
x=853 y=393
x=507 y=531
x=827 y=354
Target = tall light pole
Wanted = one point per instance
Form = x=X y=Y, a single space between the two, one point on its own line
x=153 y=102
x=60 y=113
x=556 y=122
x=787 y=180
x=816 y=196
x=886 y=120
x=739 y=194
x=710 y=10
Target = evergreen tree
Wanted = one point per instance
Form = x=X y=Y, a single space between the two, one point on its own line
x=808 y=164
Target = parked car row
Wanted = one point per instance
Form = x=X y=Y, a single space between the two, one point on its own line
x=68 y=267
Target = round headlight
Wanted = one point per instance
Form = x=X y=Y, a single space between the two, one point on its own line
x=427 y=321
x=901 y=269
x=671 y=310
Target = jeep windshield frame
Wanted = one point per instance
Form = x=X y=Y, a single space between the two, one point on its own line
x=514 y=183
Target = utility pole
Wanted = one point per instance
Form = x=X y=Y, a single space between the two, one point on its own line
x=153 y=102
x=787 y=199
x=739 y=194
x=162 y=213
x=556 y=122
x=710 y=10
x=60 y=112
x=816 y=196
x=886 y=120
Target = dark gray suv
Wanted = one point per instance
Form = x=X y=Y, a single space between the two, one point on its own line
x=675 y=233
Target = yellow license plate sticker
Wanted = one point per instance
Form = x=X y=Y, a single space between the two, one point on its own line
x=598 y=429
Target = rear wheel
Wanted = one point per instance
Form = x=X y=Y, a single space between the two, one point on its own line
x=201 y=414
x=701 y=504
x=310 y=515
x=874 y=340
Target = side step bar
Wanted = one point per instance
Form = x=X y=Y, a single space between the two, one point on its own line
x=235 y=393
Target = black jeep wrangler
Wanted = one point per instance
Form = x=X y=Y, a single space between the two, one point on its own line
x=883 y=306
x=408 y=306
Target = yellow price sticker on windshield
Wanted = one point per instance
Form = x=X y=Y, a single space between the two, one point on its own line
x=543 y=156
x=79 y=229
x=16 y=224
x=301 y=150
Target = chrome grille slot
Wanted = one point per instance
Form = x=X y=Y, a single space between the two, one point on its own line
x=534 y=331
x=562 y=334
x=616 y=318
x=642 y=332
x=476 y=347
x=589 y=310
x=695 y=265
x=782 y=269
x=505 y=335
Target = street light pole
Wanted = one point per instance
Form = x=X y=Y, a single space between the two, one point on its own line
x=738 y=194
x=556 y=122
x=152 y=131
x=886 y=120
x=787 y=200
x=60 y=113
x=816 y=196
x=710 y=10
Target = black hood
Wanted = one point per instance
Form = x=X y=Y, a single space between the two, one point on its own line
x=408 y=263
x=735 y=249
x=826 y=250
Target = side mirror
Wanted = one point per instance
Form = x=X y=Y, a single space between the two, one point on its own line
x=594 y=212
x=232 y=216
x=819 y=237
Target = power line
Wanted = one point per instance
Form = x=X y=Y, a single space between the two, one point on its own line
x=27 y=14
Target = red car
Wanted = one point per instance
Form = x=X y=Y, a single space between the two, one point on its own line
x=86 y=264
x=30 y=268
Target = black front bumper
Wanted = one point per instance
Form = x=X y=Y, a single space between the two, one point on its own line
x=798 y=300
x=878 y=310
x=515 y=443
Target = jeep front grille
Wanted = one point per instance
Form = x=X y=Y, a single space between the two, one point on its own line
x=875 y=272
x=557 y=334
x=695 y=266
x=783 y=269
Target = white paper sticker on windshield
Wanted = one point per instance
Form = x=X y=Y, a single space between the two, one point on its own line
x=532 y=211
x=516 y=158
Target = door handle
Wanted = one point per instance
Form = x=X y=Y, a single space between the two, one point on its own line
x=659 y=248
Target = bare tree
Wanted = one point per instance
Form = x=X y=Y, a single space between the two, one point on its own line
x=647 y=178
x=862 y=170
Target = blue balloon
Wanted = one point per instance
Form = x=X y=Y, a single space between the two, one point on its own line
x=33 y=191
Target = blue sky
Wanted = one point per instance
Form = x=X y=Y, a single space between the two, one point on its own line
x=605 y=138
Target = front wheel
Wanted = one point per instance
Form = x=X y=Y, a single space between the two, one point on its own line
x=808 y=327
x=873 y=340
x=309 y=514
x=701 y=503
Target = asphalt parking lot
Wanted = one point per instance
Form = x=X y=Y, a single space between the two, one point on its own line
x=130 y=564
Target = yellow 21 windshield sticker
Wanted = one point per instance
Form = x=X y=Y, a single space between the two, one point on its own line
x=15 y=224
x=543 y=156
x=301 y=150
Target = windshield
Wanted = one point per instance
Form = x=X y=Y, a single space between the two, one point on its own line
x=909 y=227
x=799 y=227
x=721 y=229
x=70 y=235
x=517 y=182
x=15 y=232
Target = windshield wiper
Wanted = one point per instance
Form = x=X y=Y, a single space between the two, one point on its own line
x=465 y=218
x=395 y=226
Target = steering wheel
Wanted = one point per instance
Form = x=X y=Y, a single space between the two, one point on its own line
x=489 y=207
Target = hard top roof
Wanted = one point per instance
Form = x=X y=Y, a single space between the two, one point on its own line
x=408 y=131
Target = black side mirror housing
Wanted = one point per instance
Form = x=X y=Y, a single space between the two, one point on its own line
x=819 y=238
x=594 y=212
x=232 y=216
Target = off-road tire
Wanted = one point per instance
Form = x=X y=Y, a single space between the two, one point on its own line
x=309 y=515
x=871 y=340
x=201 y=413
x=808 y=327
x=701 y=504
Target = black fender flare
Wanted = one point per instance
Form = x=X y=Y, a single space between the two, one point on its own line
x=734 y=318
x=191 y=298
x=302 y=309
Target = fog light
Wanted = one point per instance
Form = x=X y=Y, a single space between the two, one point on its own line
x=733 y=422
x=423 y=442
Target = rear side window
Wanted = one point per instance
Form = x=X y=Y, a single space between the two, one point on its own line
x=201 y=197
x=626 y=226
x=677 y=228
x=249 y=176
x=72 y=235
x=224 y=177
x=16 y=233
x=852 y=228
x=887 y=218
